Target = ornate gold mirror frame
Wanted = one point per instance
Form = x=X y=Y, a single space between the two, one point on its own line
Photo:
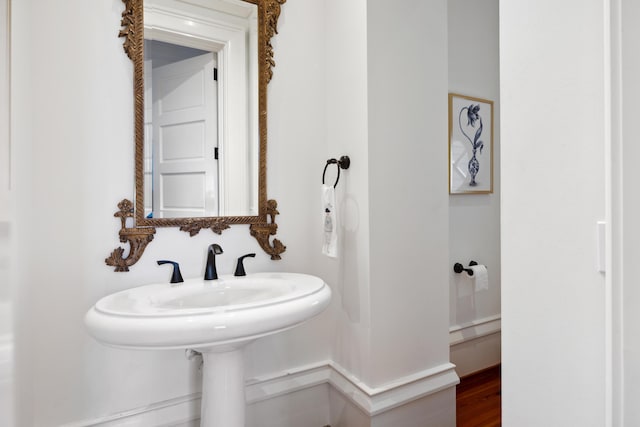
x=263 y=225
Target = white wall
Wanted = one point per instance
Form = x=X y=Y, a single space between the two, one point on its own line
x=4 y=112
x=408 y=203
x=384 y=110
x=6 y=336
x=6 y=330
x=73 y=162
x=346 y=118
x=4 y=154
x=393 y=265
x=474 y=220
x=552 y=65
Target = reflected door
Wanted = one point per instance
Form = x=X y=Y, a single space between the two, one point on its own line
x=185 y=171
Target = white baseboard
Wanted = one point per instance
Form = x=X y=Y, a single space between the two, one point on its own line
x=475 y=345
x=376 y=400
x=371 y=400
x=459 y=334
x=277 y=384
x=172 y=412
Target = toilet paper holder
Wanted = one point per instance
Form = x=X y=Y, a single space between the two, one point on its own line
x=459 y=268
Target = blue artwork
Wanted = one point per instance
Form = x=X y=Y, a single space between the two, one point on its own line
x=473 y=117
x=470 y=145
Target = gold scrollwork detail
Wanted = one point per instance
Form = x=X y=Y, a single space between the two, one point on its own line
x=130 y=27
x=138 y=238
x=262 y=231
x=193 y=226
x=272 y=14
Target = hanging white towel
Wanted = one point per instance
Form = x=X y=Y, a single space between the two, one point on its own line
x=329 y=222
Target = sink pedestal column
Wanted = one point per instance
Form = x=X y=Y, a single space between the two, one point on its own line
x=223 y=400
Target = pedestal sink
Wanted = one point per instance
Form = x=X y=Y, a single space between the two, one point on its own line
x=216 y=318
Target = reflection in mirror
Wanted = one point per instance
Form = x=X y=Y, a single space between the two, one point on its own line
x=201 y=142
x=181 y=140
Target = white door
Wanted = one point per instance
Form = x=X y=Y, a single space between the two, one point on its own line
x=626 y=232
x=554 y=191
x=185 y=172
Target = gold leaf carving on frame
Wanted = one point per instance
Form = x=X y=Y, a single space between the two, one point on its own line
x=262 y=231
x=272 y=14
x=129 y=27
x=137 y=237
x=194 y=225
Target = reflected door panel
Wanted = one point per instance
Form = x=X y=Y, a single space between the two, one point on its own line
x=184 y=129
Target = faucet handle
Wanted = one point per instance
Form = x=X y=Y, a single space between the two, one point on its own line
x=240 y=267
x=176 y=277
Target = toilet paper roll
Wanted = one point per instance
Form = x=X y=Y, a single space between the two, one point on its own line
x=480 y=277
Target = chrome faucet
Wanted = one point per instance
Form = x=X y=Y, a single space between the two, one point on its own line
x=210 y=272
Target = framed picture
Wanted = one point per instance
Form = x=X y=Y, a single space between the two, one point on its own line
x=470 y=145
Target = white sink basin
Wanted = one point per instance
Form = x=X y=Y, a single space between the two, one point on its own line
x=203 y=314
x=216 y=318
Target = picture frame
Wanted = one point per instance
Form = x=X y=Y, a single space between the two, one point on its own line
x=470 y=145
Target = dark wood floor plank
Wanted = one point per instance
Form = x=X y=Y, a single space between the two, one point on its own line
x=478 y=399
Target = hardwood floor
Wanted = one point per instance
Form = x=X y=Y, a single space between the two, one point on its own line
x=478 y=398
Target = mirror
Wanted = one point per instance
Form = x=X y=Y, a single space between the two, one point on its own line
x=201 y=69
x=201 y=108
